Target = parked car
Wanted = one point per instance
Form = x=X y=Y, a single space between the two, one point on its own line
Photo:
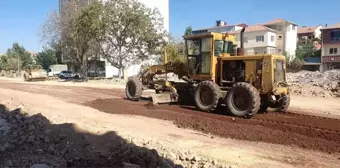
x=66 y=74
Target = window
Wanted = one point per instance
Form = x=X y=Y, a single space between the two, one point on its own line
x=293 y=27
x=333 y=51
x=335 y=35
x=193 y=47
x=222 y=47
x=272 y=38
x=206 y=56
x=259 y=38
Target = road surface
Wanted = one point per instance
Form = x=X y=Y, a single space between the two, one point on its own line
x=285 y=139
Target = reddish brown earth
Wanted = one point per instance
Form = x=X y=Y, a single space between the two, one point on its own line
x=310 y=132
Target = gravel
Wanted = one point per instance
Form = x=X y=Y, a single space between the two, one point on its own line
x=32 y=141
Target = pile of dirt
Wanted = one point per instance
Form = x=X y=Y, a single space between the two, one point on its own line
x=310 y=83
x=32 y=141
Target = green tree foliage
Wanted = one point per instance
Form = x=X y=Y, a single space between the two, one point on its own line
x=131 y=33
x=188 y=30
x=18 y=52
x=72 y=33
x=307 y=50
x=175 y=50
x=46 y=58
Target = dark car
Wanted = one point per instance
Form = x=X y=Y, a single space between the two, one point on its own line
x=66 y=74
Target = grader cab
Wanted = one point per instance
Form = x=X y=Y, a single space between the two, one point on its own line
x=217 y=72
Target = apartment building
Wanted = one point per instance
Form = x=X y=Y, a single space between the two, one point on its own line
x=330 y=55
x=105 y=65
x=286 y=33
x=308 y=34
x=258 y=39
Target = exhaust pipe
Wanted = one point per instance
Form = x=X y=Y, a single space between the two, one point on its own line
x=241 y=49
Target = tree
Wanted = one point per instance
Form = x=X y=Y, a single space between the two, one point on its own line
x=131 y=33
x=19 y=52
x=72 y=33
x=3 y=62
x=46 y=58
x=82 y=34
x=188 y=30
x=50 y=34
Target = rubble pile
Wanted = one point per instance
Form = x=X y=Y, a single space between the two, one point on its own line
x=308 y=83
x=32 y=141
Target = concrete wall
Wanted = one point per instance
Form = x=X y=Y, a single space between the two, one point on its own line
x=290 y=40
x=326 y=49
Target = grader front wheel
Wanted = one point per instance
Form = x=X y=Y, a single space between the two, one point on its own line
x=133 y=89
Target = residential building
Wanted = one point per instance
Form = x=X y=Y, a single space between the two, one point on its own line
x=258 y=39
x=286 y=32
x=221 y=27
x=111 y=71
x=278 y=36
x=330 y=55
x=308 y=34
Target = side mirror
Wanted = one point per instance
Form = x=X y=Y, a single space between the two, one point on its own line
x=49 y=70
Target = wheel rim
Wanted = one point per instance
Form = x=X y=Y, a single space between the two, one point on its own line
x=240 y=100
x=131 y=89
x=206 y=96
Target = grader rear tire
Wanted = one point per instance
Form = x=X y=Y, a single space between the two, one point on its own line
x=207 y=96
x=243 y=100
x=133 y=89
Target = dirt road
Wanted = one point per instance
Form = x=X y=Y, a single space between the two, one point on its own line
x=291 y=139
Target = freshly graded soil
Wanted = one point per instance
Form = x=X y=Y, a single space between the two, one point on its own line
x=309 y=132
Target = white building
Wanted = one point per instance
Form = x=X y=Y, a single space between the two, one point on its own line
x=258 y=39
x=286 y=33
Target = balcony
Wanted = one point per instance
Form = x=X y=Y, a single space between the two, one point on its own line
x=334 y=39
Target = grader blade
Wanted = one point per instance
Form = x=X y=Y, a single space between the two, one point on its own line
x=161 y=98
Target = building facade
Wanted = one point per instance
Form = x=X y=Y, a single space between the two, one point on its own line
x=330 y=55
x=258 y=39
x=286 y=32
x=278 y=36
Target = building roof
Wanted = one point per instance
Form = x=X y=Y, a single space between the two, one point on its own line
x=256 y=27
x=240 y=25
x=307 y=29
x=335 y=26
x=278 y=20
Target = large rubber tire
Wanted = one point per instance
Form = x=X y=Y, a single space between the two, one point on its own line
x=284 y=104
x=133 y=89
x=249 y=96
x=207 y=96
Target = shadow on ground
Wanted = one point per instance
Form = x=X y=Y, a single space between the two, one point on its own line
x=27 y=140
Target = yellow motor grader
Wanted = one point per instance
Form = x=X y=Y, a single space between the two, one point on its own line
x=217 y=72
x=35 y=74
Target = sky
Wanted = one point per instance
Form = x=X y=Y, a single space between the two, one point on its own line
x=21 y=20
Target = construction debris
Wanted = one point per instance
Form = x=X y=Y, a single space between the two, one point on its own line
x=309 y=83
